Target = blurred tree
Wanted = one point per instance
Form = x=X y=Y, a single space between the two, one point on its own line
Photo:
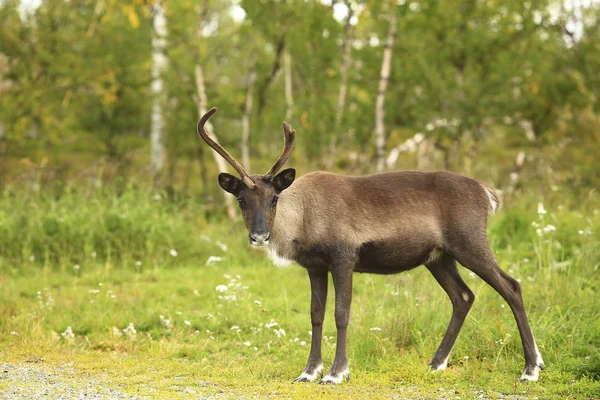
x=159 y=64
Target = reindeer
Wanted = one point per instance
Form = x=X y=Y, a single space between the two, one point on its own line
x=383 y=224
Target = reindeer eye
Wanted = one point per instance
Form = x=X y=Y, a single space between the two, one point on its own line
x=241 y=202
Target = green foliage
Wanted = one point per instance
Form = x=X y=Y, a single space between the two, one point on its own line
x=132 y=229
x=75 y=80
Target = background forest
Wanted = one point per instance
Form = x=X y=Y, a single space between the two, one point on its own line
x=125 y=269
x=91 y=89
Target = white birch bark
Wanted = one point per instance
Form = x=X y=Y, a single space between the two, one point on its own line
x=202 y=108
x=386 y=66
x=159 y=64
x=341 y=102
x=248 y=112
x=289 y=99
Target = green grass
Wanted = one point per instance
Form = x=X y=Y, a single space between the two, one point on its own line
x=228 y=345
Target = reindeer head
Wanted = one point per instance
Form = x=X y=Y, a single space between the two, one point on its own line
x=257 y=195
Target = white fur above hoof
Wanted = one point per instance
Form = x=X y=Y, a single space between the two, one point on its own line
x=334 y=379
x=530 y=375
x=440 y=367
x=310 y=377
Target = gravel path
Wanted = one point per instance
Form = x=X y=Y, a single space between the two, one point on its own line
x=37 y=381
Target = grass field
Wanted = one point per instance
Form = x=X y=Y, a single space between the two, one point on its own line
x=155 y=298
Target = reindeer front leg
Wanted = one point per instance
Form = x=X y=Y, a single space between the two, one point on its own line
x=342 y=282
x=318 y=298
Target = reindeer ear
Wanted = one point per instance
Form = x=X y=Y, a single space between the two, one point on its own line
x=230 y=183
x=284 y=179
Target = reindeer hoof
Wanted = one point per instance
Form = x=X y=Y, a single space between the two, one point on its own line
x=310 y=377
x=531 y=374
x=334 y=379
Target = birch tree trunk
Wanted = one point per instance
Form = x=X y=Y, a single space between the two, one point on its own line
x=201 y=103
x=386 y=66
x=289 y=99
x=341 y=102
x=159 y=63
x=202 y=108
x=248 y=112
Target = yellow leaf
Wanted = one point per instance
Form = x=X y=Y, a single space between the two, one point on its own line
x=134 y=21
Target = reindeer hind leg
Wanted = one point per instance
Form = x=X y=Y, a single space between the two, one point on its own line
x=477 y=256
x=445 y=272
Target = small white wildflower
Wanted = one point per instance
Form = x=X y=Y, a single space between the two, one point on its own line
x=130 y=330
x=76 y=267
x=213 y=259
x=255 y=348
x=309 y=333
x=296 y=340
x=303 y=343
x=196 y=332
x=258 y=303
x=271 y=324
x=222 y=246
x=116 y=331
x=502 y=305
x=32 y=258
x=205 y=238
x=221 y=288
x=209 y=316
x=166 y=322
x=196 y=292
x=235 y=328
x=549 y=228
x=247 y=344
x=581 y=232
x=541 y=210
x=99 y=283
x=14 y=333
x=173 y=253
x=279 y=332
x=93 y=255
x=138 y=263
x=375 y=329
x=178 y=312
x=539 y=232
x=188 y=323
x=227 y=276
x=68 y=333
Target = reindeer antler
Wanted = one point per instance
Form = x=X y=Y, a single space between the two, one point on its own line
x=289 y=138
x=219 y=149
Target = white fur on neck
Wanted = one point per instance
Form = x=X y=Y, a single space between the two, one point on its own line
x=279 y=261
